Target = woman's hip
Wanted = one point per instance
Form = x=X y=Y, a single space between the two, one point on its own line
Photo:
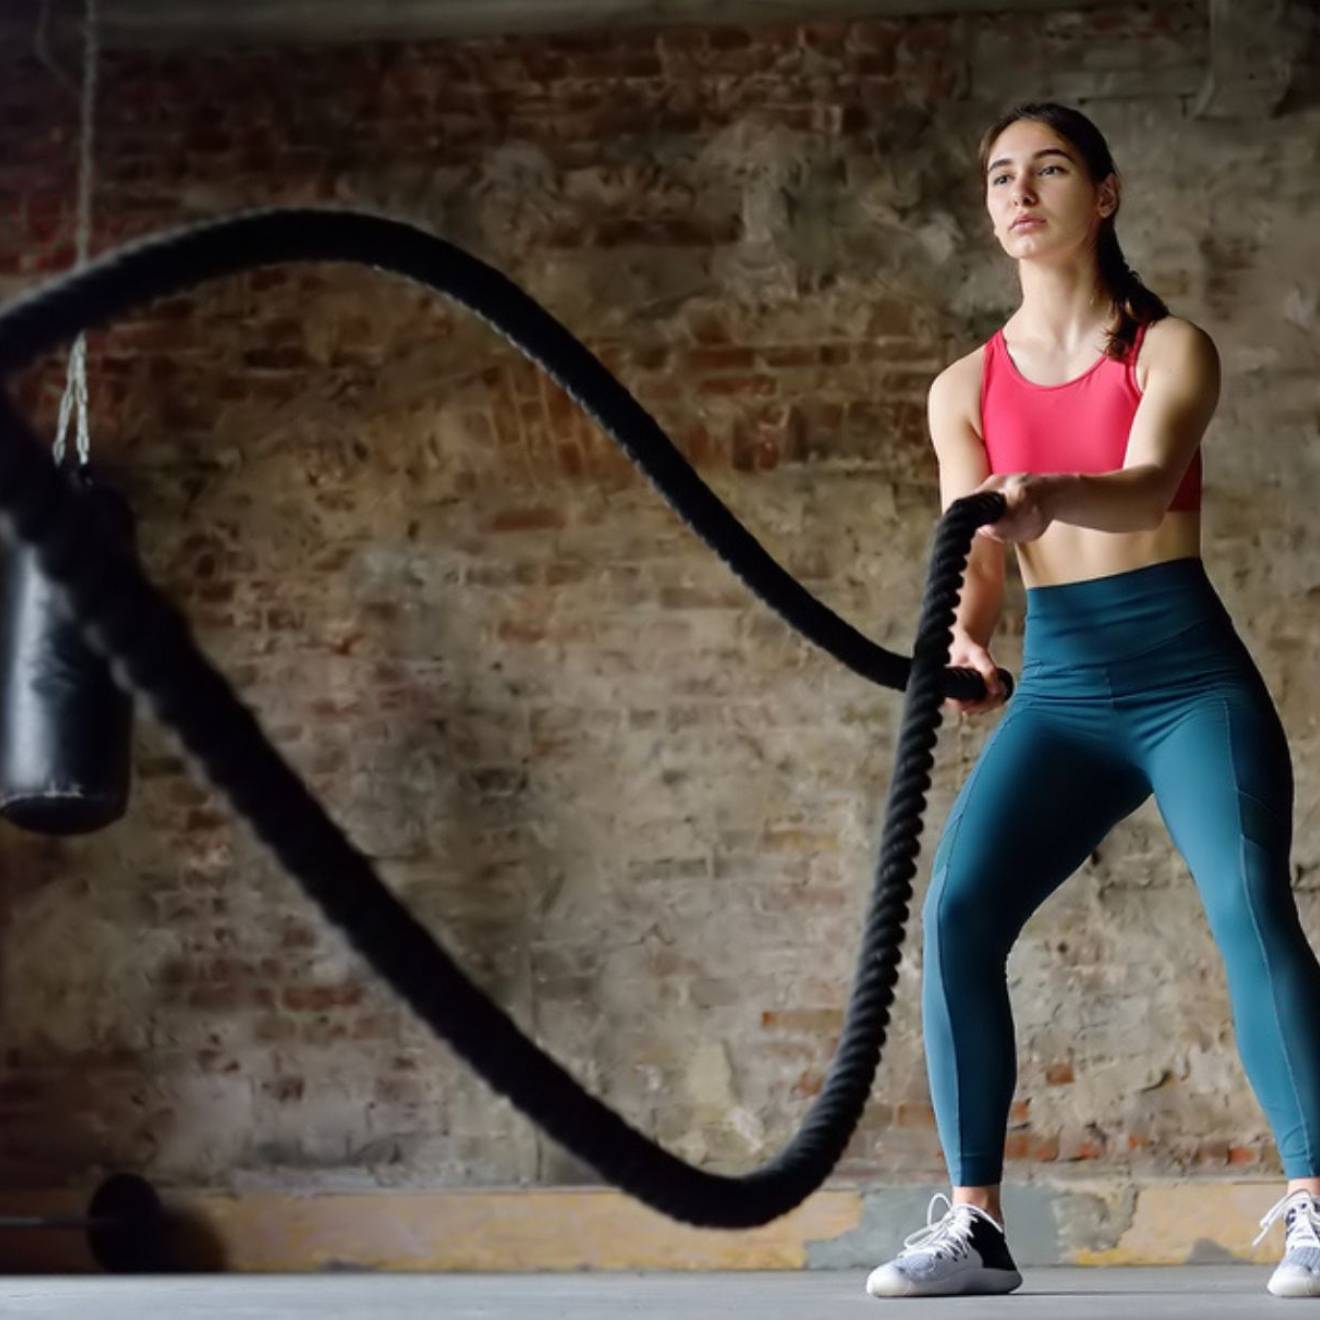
x=1162 y=628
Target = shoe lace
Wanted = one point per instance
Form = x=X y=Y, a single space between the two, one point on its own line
x=947 y=1237
x=1302 y=1232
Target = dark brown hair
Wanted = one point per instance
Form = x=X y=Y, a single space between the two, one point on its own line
x=1136 y=304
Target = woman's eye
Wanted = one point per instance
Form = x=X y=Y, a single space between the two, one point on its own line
x=1047 y=167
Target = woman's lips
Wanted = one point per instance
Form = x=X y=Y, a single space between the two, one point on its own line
x=1028 y=224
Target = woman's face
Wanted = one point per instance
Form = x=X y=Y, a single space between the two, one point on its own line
x=1035 y=172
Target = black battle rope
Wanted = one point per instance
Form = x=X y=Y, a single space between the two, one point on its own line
x=151 y=646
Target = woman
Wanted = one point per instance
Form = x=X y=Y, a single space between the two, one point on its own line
x=1086 y=412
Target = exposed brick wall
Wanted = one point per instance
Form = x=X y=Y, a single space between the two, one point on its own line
x=639 y=813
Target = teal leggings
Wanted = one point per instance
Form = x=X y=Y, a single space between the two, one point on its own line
x=1131 y=684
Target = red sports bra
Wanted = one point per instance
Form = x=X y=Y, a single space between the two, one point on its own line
x=1079 y=426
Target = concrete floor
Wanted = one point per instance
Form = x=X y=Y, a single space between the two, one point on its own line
x=1206 y=1292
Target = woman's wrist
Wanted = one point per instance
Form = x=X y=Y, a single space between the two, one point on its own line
x=963 y=636
x=1055 y=491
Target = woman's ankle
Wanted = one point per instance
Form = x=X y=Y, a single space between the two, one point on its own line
x=984 y=1198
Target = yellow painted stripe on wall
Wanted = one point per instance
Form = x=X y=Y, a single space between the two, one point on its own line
x=500 y=1231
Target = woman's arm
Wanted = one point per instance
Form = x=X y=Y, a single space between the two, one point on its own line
x=963 y=467
x=1182 y=392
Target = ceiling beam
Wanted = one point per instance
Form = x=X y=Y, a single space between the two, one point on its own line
x=166 y=23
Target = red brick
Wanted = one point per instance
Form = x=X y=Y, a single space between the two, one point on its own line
x=719 y=359
x=1031 y=1146
x=527 y=520
x=660 y=389
x=709 y=327
x=792 y=356
x=321 y=998
x=757 y=387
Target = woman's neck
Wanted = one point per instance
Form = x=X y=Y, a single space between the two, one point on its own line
x=1061 y=334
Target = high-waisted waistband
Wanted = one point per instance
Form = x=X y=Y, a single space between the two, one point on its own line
x=1119 y=616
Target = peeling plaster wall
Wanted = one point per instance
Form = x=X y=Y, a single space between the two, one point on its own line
x=639 y=813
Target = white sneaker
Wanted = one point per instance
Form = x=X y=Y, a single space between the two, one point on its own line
x=1298 y=1273
x=965 y=1252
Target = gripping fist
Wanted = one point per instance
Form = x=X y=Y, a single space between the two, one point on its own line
x=1026 y=517
x=968 y=654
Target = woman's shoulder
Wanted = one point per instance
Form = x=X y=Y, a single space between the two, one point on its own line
x=1176 y=342
x=962 y=377
x=1176 y=332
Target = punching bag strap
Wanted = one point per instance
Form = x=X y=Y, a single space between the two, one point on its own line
x=75 y=386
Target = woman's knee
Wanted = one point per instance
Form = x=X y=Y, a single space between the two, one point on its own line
x=957 y=915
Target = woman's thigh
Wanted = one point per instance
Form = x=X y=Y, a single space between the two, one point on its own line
x=1211 y=742
x=1050 y=783
x=1223 y=780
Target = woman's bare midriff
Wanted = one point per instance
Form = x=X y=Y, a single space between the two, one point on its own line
x=1068 y=553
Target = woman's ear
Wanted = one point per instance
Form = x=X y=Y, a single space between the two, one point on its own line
x=1109 y=196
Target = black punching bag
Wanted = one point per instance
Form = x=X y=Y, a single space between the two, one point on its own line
x=65 y=727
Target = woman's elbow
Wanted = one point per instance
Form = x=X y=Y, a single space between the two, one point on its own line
x=1154 y=515
x=1160 y=496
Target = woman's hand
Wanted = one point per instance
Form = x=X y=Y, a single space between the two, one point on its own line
x=965 y=653
x=1027 y=515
